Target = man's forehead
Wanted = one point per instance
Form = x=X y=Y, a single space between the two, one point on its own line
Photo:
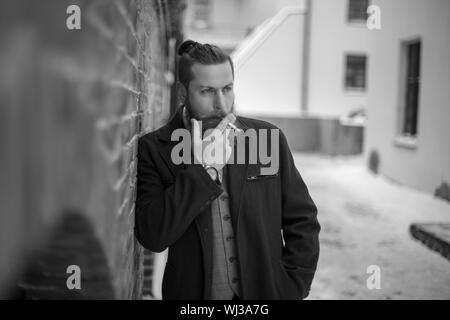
x=215 y=75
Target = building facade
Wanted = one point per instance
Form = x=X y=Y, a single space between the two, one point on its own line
x=338 y=58
x=227 y=22
x=408 y=104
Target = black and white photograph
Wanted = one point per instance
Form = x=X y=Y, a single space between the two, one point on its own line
x=222 y=152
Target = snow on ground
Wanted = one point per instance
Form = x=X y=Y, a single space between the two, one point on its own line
x=365 y=221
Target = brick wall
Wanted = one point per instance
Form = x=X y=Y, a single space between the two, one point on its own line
x=74 y=103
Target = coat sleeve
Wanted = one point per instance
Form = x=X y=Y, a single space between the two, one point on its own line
x=162 y=215
x=300 y=226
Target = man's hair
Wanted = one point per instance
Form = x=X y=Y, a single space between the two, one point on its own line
x=192 y=52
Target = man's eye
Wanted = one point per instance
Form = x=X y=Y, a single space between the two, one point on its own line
x=226 y=89
x=206 y=91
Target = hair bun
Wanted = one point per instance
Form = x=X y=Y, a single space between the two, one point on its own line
x=186 y=46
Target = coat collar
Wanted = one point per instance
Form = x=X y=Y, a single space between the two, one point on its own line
x=176 y=122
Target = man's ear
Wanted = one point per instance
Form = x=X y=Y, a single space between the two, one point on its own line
x=181 y=92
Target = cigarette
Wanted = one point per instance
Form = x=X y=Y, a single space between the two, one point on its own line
x=234 y=127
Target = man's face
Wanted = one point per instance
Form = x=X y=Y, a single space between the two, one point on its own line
x=210 y=94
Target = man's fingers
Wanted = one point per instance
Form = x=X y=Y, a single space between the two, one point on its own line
x=225 y=121
x=196 y=134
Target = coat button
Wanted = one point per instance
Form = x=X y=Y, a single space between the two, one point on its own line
x=235 y=279
x=229 y=238
x=226 y=217
x=232 y=259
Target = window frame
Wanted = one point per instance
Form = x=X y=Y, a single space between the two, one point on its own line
x=404 y=138
x=359 y=20
x=354 y=89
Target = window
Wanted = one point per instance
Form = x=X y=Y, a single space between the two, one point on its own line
x=411 y=80
x=201 y=14
x=355 y=72
x=357 y=10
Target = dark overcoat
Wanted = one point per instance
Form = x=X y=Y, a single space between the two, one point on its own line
x=274 y=219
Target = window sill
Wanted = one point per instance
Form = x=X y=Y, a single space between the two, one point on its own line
x=406 y=142
x=355 y=91
x=357 y=23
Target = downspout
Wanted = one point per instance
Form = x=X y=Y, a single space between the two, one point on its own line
x=305 y=57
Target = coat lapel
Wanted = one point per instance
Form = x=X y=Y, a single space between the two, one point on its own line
x=165 y=135
x=237 y=177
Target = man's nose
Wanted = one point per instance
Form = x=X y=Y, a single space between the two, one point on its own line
x=219 y=102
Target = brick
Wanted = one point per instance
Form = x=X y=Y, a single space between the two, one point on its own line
x=83 y=98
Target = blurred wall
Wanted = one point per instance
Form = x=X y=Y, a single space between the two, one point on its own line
x=73 y=104
x=269 y=68
x=303 y=63
x=274 y=81
x=423 y=163
x=232 y=20
x=325 y=136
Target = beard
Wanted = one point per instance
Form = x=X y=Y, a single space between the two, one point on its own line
x=209 y=122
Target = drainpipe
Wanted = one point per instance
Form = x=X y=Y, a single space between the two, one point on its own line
x=305 y=57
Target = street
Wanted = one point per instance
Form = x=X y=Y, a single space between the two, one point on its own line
x=365 y=221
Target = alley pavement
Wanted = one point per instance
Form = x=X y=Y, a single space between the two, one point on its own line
x=365 y=221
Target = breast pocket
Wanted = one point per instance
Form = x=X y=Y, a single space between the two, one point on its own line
x=256 y=172
x=266 y=191
x=261 y=177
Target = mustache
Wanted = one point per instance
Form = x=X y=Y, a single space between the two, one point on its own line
x=212 y=121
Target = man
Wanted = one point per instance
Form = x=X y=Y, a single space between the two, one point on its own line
x=233 y=230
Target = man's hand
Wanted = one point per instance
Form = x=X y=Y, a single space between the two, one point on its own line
x=215 y=149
